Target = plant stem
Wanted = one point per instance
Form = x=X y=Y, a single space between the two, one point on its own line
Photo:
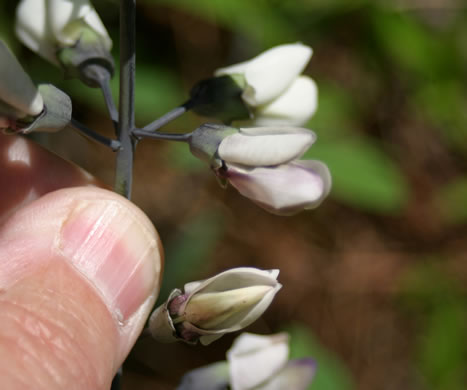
x=109 y=101
x=166 y=118
x=140 y=133
x=82 y=129
x=126 y=122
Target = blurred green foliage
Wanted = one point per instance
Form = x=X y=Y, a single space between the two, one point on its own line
x=440 y=309
x=187 y=252
x=378 y=64
x=331 y=374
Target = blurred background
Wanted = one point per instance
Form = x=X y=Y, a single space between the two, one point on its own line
x=375 y=280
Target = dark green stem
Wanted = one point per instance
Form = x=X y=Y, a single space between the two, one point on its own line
x=109 y=101
x=82 y=129
x=126 y=122
x=169 y=117
x=140 y=133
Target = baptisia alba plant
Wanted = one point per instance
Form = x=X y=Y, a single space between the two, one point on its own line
x=263 y=164
x=208 y=309
x=254 y=362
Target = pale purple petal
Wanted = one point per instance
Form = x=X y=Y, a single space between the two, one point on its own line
x=285 y=189
x=212 y=377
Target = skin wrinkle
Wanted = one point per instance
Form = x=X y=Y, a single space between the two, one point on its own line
x=29 y=339
x=66 y=348
x=20 y=381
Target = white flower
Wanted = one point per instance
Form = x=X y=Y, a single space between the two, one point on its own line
x=45 y=26
x=18 y=95
x=222 y=304
x=274 y=90
x=254 y=362
x=267 y=354
x=286 y=189
x=262 y=164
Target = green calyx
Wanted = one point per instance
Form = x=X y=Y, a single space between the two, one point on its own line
x=205 y=141
x=88 y=59
x=56 y=114
x=221 y=97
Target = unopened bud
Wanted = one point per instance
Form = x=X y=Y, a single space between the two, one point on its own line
x=207 y=310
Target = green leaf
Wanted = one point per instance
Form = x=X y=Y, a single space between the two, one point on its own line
x=331 y=374
x=363 y=175
x=443 y=104
x=410 y=44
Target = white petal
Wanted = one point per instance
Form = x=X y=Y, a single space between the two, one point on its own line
x=62 y=12
x=265 y=149
x=33 y=30
x=294 y=107
x=286 y=189
x=254 y=358
x=296 y=375
x=16 y=88
x=271 y=73
x=234 y=278
x=42 y=24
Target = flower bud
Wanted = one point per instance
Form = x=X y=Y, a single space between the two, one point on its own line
x=268 y=75
x=208 y=309
x=67 y=33
x=272 y=89
x=20 y=100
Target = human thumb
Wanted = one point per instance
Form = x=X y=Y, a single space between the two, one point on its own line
x=80 y=271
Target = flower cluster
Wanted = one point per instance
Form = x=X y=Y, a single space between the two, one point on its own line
x=254 y=363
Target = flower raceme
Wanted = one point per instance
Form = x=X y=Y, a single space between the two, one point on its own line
x=254 y=362
x=263 y=164
x=208 y=309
